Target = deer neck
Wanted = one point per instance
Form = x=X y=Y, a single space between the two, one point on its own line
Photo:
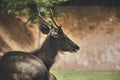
x=48 y=52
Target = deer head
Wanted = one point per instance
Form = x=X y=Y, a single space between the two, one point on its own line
x=55 y=31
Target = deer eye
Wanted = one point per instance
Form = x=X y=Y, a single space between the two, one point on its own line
x=55 y=35
x=56 y=30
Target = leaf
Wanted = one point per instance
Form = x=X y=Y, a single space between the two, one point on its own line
x=9 y=11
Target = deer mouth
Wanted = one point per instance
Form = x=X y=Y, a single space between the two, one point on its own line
x=76 y=48
x=74 y=51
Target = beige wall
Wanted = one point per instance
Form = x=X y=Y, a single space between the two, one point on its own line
x=97 y=31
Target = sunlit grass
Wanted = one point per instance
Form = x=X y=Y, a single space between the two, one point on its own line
x=86 y=75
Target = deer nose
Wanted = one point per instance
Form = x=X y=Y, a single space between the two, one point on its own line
x=77 y=47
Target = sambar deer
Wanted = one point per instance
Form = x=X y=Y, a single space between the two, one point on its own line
x=18 y=65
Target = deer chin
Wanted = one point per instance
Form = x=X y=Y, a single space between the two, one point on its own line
x=74 y=51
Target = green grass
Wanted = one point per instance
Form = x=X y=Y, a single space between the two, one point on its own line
x=86 y=75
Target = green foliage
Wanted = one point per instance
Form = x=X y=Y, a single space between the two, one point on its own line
x=11 y=6
x=20 y=6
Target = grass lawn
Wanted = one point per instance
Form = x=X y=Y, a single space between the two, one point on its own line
x=86 y=75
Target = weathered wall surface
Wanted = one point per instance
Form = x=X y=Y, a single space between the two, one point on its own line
x=16 y=35
x=95 y=29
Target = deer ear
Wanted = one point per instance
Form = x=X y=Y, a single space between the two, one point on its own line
x=44 y=28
